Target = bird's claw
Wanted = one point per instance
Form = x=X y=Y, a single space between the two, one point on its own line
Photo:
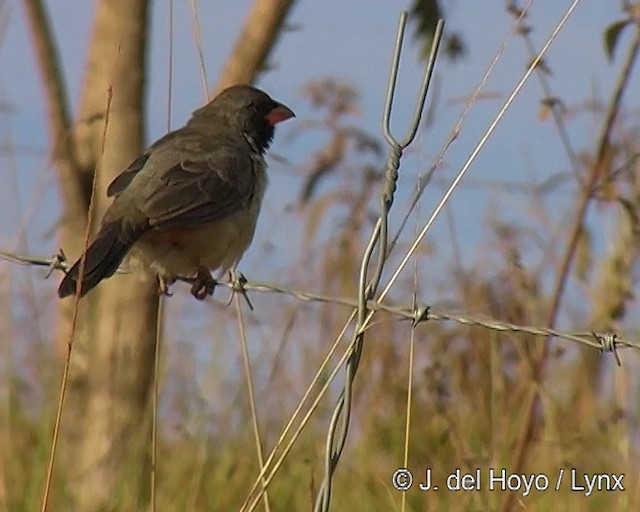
x=163 y=287
x=203 y=284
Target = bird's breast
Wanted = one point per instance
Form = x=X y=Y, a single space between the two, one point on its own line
x=220 y=244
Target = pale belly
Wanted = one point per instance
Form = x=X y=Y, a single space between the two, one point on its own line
x=179 y=253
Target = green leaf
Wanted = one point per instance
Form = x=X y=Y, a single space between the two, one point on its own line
x=424 y=15
x=611 y=37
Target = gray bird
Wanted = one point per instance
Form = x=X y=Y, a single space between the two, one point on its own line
x=190 y=203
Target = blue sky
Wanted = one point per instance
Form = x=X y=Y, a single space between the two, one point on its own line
x=349 y=40
x=353 y=41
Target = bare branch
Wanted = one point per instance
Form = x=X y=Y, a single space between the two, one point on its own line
x=59 y=116
x=525 y=436
x=255 y=42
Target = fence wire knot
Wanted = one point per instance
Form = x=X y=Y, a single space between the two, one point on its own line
x=420 y=314
x=58 y=262
x=238 y=282
x=608 y=343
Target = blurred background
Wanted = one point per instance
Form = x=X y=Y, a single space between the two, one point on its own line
x=543 y=231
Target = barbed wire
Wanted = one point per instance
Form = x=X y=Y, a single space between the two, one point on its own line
x=56 y=262
x=365 y=304
x=605 y=341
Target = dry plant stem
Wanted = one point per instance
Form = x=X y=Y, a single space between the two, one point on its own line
x=407 y=428
x=50 y=68
x=74 y=321
x=252 y=399
x=623 y=433
x=249 y=505
x=426 y=179
x=170 y=67
x=155 y=406
x=198 y=40
x=527 y=429
x=255 y=42
x=258 y=37
x=121 y=313
x=556 y=110
x=368 y=282
x=160 y=319
x=316 y=378
x=466 y=166
x=63 y=154
x=412 y=339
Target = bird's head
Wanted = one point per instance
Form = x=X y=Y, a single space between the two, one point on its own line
x=245 y=108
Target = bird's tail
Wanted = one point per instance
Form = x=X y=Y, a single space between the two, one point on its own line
x=103 y=258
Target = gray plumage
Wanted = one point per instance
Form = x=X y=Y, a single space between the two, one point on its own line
x=190 y=203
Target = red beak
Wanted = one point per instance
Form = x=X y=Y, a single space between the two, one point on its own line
x=278 y=114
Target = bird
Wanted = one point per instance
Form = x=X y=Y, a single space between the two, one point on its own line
x=190 y=203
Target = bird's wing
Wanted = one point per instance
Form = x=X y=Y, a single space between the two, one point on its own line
x=195 y=192
x=122 y=181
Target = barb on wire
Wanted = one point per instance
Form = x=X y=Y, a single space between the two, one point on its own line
x=339 y=425
x=56 y=262
x=603 y=341
x=609 y=343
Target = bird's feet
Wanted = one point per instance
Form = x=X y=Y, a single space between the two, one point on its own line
x=203 y=284
x=163 y=286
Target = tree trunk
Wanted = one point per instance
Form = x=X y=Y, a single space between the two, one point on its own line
x=120 y=341
x=105 y=428
x=112 y=359
x=258 y=37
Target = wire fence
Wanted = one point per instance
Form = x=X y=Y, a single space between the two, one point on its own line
x=369 y=299
x=367 y=288
x=603 y=341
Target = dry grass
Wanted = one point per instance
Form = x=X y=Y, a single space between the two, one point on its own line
x=480 y=399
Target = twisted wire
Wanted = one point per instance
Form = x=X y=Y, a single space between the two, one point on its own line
x=340 y=419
